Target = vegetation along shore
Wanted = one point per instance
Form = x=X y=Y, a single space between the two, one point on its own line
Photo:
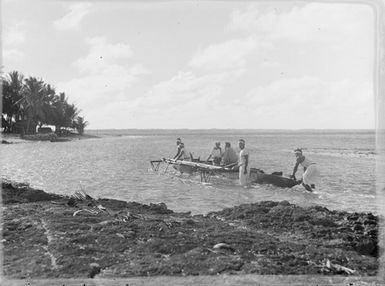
x=77 y=236
x=30 y=103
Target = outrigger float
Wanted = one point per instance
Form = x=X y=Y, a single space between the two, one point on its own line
x=206 y=171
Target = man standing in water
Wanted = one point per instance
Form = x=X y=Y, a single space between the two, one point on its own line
x=243 y=164
x=311 y=172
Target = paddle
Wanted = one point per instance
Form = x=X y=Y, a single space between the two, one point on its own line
x=230 y=165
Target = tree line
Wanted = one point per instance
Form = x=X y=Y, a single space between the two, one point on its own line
x=30 y=102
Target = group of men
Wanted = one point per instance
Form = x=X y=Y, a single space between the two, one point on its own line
x=227 y=158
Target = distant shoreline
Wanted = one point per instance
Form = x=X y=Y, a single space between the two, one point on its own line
x=108 y=132
x=10 y=138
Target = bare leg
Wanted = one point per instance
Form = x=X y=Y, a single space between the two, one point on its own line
x=307 y=187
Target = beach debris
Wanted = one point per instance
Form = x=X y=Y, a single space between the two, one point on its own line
x=82 y=195
x=94 y=212
x=337 y=267
x=120 y=235
x=100 y=207
x=75 y=213
x=222 y=246
x=58 y=203
x=89 y=202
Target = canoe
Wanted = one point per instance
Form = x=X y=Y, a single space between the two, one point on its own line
x=256 y=175
x=276 y=179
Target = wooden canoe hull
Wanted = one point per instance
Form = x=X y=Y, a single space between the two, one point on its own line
x=183 y=169
x=259 y=177
x=256 y=175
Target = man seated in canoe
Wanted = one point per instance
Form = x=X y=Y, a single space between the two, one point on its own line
x=216 y=154
x=311 y=172
x=183 y=153
x=178 y=141
x=229 y=157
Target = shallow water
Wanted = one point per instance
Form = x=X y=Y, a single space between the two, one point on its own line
x=118 y=167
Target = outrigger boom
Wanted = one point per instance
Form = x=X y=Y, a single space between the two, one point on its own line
x=204 y=169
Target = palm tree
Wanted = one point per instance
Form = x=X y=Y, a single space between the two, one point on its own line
x=80 y=124
x=33 y=102
x=70 y=113
x=13 y=90
x=48 y=109
x=58 y=117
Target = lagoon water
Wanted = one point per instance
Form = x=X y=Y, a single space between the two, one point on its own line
x=116 y=165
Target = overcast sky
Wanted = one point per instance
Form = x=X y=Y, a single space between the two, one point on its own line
x=199 y=64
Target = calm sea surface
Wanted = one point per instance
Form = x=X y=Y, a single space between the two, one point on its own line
x=116 y=165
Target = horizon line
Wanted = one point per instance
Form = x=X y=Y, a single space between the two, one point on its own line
x=256 y=129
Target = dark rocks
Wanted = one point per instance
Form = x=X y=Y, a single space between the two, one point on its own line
x=95 y=269
x=284 y=203
x=365 y=246
x=23 y=193
x=71 y=202
x=133 y=239
x=358 y=227
x=322 y=221
x=160 y=208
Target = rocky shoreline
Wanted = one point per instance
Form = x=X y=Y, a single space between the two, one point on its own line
x=51 y=236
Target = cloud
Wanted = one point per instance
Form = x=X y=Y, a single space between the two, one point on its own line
x=319 y=103
x=14 y=37
x=193 y=101
x=12 y=55
x=72 y=20
x=186 y=88
x=102 y=55
x=229 y=54
x=186 y=97
x=314 y=22
x=105 y=75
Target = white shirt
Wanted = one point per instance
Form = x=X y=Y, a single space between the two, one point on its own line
x=306 y=163
x=242 y=157
x=216 y=153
